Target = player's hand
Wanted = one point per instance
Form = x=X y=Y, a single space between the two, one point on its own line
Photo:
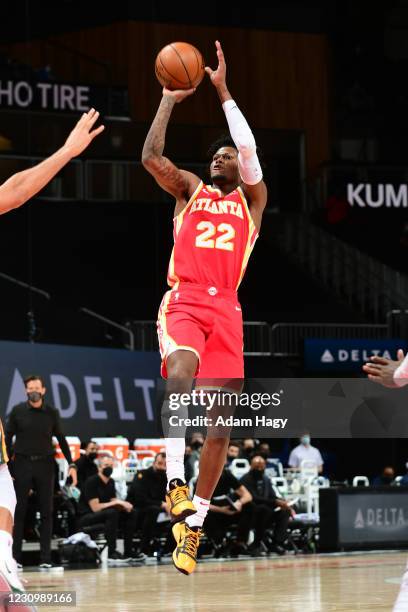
x=238 y=505
x=218 y=76
x=381 y=370
x=178 y=95
x=82 y=135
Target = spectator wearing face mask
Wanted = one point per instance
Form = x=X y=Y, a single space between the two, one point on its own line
x=264 y=449
x=148 y=493
x=86 y=466
x=233 y=452
x=270 y=511
x=305 y=452
x=34 y=423
x=248 y=447
x=385 y=478
x=99 y=504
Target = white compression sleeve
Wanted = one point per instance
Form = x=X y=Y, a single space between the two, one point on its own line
x=401 y=373
x=248 y=162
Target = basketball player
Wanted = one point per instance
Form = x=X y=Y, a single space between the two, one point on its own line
x=387 y=372
x=200 y=319
x=13 y=193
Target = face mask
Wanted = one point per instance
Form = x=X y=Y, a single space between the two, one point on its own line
x=34 y=396
x=258 y=474
x=107 y=471
x=388 y=479
x=305 y=440
x=92 y=456
x=196 y=445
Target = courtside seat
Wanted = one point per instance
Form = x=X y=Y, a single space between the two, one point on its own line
x=273 y=468
x=361 y=481
x=280 y=486
x=239 y=467
x=130 y=467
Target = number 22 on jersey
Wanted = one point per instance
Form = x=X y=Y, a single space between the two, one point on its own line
x=223 y=241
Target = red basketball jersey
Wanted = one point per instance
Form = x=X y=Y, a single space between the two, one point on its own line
x=213 y=239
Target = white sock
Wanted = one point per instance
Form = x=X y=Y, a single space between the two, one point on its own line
x=175 y=449
x=6 y=543
x=201 y=505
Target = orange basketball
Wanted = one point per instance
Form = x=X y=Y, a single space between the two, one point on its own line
x=179 y=65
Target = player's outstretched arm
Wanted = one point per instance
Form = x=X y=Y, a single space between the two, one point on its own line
x=24 y=185
x=179 y=183
x=248 y=162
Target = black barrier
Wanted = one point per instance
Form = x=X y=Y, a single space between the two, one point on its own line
x=109 y=392
x=357 y=518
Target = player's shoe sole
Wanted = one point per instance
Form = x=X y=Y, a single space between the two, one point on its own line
x=185 y=554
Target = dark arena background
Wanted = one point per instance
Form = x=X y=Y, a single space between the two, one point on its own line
x=324 y=88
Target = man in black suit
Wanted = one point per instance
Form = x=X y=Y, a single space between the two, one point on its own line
x=34 y=423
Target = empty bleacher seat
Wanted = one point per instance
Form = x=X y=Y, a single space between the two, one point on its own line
x=130 y=467
x=274 y=467
x=239 y=467
x=280 y=486
x=361 y=481
x=308 y=471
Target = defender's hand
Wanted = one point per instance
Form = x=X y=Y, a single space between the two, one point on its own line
x=218 y=76
x=82 y=135
x=381 y=370
x=177 y=95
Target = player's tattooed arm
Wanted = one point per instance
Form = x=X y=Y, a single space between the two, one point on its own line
x=179 y=183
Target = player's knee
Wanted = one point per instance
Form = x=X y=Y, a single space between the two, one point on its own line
x=217 y=442
x=181 y=365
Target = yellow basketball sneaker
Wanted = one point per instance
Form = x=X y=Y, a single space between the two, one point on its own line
x=185 y=553
x=178 y=498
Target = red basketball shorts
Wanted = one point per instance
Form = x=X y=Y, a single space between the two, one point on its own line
x=207 y=321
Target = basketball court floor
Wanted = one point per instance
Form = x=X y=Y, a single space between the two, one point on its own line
x=366 y=582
